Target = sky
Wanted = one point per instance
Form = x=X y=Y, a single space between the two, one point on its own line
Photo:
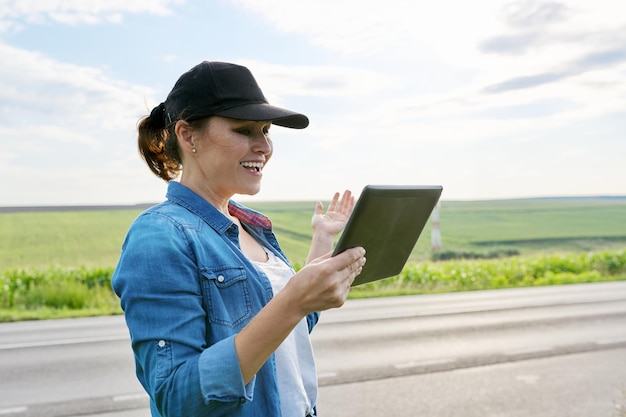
x=491 y=99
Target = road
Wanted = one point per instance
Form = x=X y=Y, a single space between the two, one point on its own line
x=541 y=352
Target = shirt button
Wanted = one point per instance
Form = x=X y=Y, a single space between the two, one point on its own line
x=161 y=343
x=220 y=278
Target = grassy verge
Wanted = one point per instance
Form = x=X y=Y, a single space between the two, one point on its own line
x=471 y=274
x=54 y=292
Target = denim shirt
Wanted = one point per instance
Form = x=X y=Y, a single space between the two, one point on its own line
x=186 y=290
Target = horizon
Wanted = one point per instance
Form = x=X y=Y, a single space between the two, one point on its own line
x=86 y=207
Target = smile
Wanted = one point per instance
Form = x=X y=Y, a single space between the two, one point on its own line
x=253 y=166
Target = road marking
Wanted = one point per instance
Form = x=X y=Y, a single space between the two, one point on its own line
x=75 y=341
x=130 y=397
x=415 y=364
x=529 y=351
x=529 y=379
x=13 y=410
x=614 y=340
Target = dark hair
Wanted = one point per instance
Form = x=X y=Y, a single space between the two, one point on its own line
x=158 y=145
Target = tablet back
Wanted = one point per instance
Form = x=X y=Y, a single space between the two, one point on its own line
x=387 y=220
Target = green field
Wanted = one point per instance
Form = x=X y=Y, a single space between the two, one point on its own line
x=59 y=263
x=535 y=226
x=93 y=237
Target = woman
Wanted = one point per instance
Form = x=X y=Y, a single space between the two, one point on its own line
x=218 y=319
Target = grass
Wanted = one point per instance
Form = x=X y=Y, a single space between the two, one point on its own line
x=535 y=225
x=58 y=263
x=55 y=292
x=74 y=292
x=87 y=238
x=529 y=271
x=94 y=238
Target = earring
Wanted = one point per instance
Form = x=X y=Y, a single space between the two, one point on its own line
x=193 y=150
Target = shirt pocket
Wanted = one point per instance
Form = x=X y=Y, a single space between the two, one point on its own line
x=164 y=363
x=226 y=295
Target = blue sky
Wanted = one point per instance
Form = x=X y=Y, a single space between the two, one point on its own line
x=491 y=99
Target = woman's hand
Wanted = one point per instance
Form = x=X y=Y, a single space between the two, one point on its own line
x=326 y=226
x=334 y=220
x=323 y=284
x=326 y=281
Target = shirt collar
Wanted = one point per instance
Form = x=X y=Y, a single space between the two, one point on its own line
x=184 y=196
x=248 y=215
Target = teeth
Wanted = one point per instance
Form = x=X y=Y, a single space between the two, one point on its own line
x=252 y=164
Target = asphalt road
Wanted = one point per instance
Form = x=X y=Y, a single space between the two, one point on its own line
x=551 y=351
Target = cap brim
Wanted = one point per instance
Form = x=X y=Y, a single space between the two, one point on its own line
x=267 y=112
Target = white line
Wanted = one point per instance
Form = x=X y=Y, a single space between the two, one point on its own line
x=45 y=343
x=13 y=410
x=529 y=350
x=414 y=364
x=611 y=341
x=327 y=375
x=130 y=397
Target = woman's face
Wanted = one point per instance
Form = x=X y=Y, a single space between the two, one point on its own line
x=229 y=159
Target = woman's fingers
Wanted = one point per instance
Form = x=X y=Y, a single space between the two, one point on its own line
x=343 y=205
x=347 y=202
x=325 y=282
x=357 y=268
x=355 y=259
x=319 y=208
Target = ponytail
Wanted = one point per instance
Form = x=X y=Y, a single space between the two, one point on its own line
x=157 y=144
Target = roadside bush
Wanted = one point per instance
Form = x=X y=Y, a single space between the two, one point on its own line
x=72 y=292
x=494 y=254
x=67 y=294
x=57 y=288
x=467 y=275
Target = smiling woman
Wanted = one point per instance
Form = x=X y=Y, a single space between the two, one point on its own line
x=218 y=317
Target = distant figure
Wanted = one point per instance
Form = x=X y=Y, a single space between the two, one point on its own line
x=219 y=320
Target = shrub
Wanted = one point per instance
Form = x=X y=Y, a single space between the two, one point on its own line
x=476 y=274
x=494 y=254
x=72 y=292
x=57 y=288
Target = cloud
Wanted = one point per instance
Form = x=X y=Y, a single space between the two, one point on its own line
x=528 y=81
x=531 y=109
x=40 y=88
x=394 y=92
x=64 y=122
x=511 y=44
x=601 y=59
x=395 y=29
x=15 y=14
x=589 y=62
x=494 y=67
x=532 y=13
x=324 y=81
x=534 y=40
x=42 y=138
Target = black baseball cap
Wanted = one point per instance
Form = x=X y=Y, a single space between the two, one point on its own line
x=224 y=89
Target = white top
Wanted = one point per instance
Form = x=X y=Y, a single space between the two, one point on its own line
x=295 y=364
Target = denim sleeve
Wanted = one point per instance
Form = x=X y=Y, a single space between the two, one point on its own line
x=312 y=320
x=160 y=290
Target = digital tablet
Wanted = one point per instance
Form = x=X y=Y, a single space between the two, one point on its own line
x=387 y=220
